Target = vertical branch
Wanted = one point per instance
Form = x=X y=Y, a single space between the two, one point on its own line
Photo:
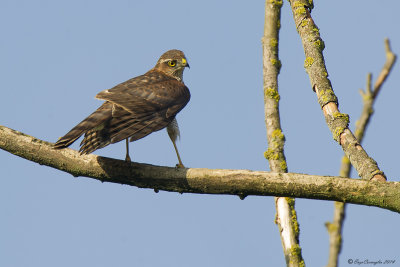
x=286 y=217
x=368 y=98
x=338 y=122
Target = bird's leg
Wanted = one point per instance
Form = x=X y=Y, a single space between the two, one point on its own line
x=173 y=133
x=127 y=158
x=180 y=164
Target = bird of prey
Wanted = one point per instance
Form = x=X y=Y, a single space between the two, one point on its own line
x=136 y=108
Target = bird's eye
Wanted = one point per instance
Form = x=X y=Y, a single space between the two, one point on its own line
x=172 y=63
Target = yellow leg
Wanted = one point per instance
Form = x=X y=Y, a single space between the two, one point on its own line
x=127 y=158
x=173 y=132
x=180 y=164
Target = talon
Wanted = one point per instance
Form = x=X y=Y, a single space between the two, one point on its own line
x=179 y=166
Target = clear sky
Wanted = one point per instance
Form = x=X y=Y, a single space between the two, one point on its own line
x=57 y=55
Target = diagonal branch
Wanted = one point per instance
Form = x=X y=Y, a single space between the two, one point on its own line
x=390 y=60
x=286 y=217
x=203 y=181
x=368 y=97
x=338 y=122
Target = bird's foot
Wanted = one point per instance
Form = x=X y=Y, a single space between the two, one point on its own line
x=179 y=166
x=128 y=159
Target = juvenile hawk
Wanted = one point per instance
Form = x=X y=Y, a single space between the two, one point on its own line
x=136 y=108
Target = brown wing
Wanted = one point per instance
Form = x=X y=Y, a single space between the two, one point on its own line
x=144 y=104
x=134 y=109
x=149 y=93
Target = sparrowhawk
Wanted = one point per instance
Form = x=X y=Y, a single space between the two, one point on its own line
x=136 y=108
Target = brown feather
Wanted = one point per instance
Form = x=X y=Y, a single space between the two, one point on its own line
x=135 y=108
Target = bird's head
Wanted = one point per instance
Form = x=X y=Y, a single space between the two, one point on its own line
x=172 y=63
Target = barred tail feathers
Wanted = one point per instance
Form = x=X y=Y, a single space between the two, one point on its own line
x=93 y=121
x=102 y=136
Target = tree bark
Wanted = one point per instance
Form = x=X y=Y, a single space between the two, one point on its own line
x=202 y=181
x=286 y=217
x=368 y=97
x=314 y=64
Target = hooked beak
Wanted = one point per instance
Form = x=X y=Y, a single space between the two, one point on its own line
x=185 y=63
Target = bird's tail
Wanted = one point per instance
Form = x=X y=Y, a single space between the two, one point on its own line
x=115 y=130
x=93 y=122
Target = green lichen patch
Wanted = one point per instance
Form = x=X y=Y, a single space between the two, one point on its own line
x=343 y=117
x=338 y=123
x=276 y=62
x=304 y=23
x=295 y=249
x=337 y=132
x=326 y=96
x=272 y=93
x=277 y=135
x=308 y=62
x=277 y=3
x=273 y=42
x=283 y=165
x=301 y=11
x=270 y=154
x=331 y=227
x=319 y=44
x=295 y=252
x=290 y=201
x=295 y=223
x=298 y=4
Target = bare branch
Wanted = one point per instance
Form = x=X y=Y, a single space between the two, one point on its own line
x=203 y=181
x=390 y=60
x=368 y=97
x=335 y=234
x=338 y=122
x=286 y=217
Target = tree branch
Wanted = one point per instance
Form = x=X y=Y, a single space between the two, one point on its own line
x=203 y=181
x=314 y=64
x=368 y=97
x=286 y=217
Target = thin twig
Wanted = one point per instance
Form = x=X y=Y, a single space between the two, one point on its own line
x=369 y=97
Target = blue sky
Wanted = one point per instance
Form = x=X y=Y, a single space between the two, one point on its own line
x=57 y=55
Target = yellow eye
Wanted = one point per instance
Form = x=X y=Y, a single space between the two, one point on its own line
x=172 y=63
